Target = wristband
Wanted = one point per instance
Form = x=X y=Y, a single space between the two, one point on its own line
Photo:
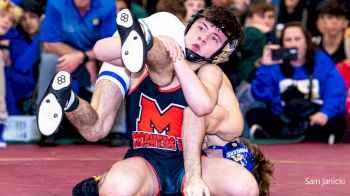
x=85 y=59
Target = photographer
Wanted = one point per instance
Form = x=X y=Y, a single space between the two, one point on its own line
x=293 y=111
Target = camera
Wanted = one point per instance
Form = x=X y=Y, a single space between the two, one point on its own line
x=285 y=54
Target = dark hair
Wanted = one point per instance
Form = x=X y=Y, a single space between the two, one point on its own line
x=34 y=6
x=225 y=20
x=333 y=9
x=263 y=168
x=296 y=15
x=309 y=64
x=259 y=7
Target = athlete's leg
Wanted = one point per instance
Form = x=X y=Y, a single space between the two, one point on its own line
x=225 y=177
x=158 y=61
x=94 y=121
x=160 y=66
x=131 y=176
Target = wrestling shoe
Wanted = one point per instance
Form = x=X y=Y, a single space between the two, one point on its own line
x=136 y=40
x=87 y=187
x=50 y=113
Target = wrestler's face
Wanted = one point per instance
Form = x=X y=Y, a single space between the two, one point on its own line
x=204 y=38
x=6 y=22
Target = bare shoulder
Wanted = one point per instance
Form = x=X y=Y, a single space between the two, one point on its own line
x=226 y=83
x=210 y=70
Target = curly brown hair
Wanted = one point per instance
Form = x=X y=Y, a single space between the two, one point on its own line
x=225 y=20
x=263 y=168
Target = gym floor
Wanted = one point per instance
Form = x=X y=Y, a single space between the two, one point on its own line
x=300 y=169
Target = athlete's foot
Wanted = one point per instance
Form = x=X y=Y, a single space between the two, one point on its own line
x=88 y=187
x=51 y=107
x=135 y=39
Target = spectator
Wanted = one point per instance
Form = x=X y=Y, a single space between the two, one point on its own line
x=275 y=78
x=344 y=69
x=25 y=56
x=220 y=3
x=9 y=16
x=192 y=6
x=139 y=11
x=69 y=31
x=122 y=4
x=175 y=7
x=333 y=22
x=259 y=25
x=292 y=10
x=260 y=21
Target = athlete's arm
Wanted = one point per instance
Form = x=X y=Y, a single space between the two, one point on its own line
x=201 y=89
x=226 y=120
x=193 y=131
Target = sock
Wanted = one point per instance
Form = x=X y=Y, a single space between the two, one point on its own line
x=73 y=103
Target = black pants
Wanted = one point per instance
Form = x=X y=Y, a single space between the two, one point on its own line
x=273 y=125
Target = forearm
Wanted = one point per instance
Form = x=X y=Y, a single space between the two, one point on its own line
x=193 y=131
x=58 y=48
x=196 y=93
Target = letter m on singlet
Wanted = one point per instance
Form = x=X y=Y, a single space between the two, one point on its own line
x=153 y=119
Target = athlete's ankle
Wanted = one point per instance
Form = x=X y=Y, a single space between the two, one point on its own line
x=73 y=103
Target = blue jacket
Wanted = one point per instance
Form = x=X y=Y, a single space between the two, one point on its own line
x=20 y=79
x=328 y=85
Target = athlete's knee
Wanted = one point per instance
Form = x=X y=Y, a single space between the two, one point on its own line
x=246 y=185
x=116 y=182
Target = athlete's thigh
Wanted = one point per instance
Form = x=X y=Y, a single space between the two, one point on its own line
x=131 y=176
x=225 y=177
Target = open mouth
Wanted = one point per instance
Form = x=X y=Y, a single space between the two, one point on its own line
x=196 y=48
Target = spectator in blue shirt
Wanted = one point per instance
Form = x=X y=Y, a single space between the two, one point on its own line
x=25 y=55
x=69 y=32
x=9 y=16
x=312 y=75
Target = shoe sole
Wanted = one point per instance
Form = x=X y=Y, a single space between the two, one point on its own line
x=133 y=48
x=50 y=113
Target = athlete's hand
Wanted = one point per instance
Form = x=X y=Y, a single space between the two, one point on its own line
x=171 y=46
x=195 y=186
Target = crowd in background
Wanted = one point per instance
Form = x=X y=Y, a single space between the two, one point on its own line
x=306 y=97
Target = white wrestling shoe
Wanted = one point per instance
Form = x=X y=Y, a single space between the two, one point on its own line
x=50 y=113
x=134 y=43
